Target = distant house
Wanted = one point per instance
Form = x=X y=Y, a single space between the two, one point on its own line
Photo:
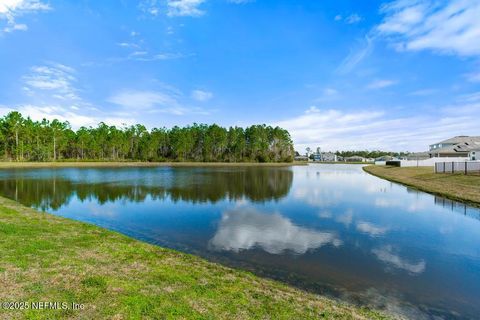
x=384 y=158
x=355 y=159
x=459 y=146
x=417 y=156
x=301 y=158
x=324 y=157
x=329 y=157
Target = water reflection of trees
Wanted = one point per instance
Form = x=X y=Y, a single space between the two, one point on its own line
x=254 y=184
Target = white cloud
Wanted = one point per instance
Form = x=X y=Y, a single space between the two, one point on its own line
x=333 y=129
x=327 y=95
x=379 y=84
x=128 y=44
x=356 y=56
x=470 y=97
x=16 y=6
x=353 y=18
x=173 y=8
x=71 y=114
x=15 y=27
x=146 y=100
x=449 y=27
x=51 y=93
x=247 y=228
x=57 y=79
x=152 y=7
x=184 y=8
x=240 y=1
x=165 y=101
x=57 y=112
x=158 y=56
x=473 y=77
x=201 y=95
x=10 y=10
x=424 y=92
x=330 y=92
x=317 y=126
x=138 y=52
x=371 y=229
x=386 y=255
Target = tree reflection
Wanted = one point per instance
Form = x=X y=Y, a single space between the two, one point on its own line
x=196 y=186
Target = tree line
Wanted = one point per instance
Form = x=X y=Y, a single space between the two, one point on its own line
x=23 y=139
x=370 y=154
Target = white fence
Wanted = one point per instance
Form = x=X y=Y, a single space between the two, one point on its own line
x=462 y=167
x=430 y=162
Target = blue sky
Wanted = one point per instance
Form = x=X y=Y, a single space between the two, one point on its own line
x=339 y=75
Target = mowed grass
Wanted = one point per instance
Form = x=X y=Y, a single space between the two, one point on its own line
x=52 y=259
x=458 y=186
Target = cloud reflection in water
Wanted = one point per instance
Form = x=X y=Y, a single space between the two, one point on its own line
x=371 y=229
x=386 y=255
x=245 y=228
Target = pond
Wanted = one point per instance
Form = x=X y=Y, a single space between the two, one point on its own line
x=331 y=229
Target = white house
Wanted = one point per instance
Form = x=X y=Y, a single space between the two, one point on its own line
x=329 y=157
x=458 y=146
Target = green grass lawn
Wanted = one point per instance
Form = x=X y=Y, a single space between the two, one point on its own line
x=460 y=187
x=52 y=259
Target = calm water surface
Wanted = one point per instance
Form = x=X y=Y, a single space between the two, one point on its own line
x=332 y=229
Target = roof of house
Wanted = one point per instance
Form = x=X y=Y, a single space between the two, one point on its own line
x=447 y=149
x=418 y=155
x=384 y=158
x=458 y=144
x=461 y=139
x=467 y=146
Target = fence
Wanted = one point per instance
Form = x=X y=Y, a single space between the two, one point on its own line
x=430 y=162
x=465 y=167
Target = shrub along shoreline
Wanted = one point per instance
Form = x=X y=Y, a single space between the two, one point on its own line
x=52 y=259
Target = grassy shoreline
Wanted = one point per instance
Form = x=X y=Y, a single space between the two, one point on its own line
x=53 y=259
x=104 y=164
x=458 y=187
